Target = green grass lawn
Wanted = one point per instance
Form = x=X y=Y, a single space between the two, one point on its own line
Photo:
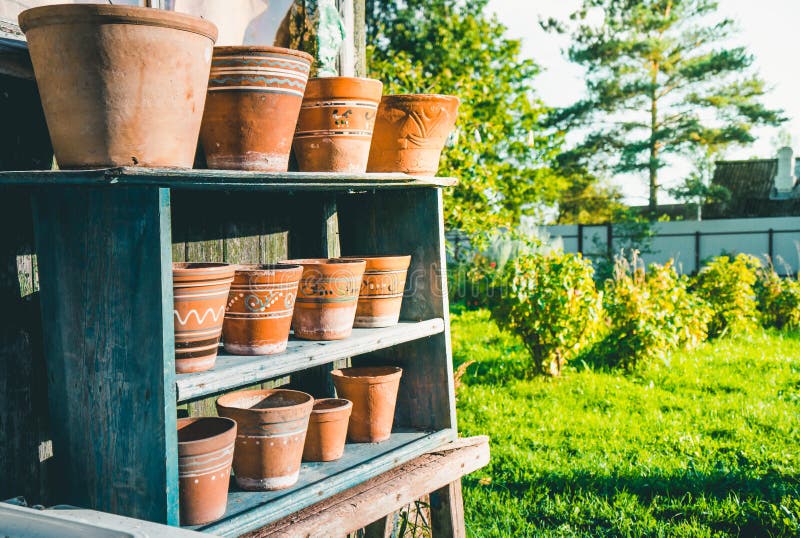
x=707 y=446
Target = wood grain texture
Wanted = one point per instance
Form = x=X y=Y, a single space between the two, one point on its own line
x=25 y=441
x=383 y=494
x=250 y=510
x=198 y=179
x=233 y=371
x=426 y=398
x=106 y=301
x=447 y=510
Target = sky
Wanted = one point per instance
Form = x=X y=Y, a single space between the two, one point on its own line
x=768 y=28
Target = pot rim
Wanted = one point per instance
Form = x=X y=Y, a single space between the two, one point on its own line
x=390 y=374
x=189 y=420
x=421 y=97
x=378 y=256
x=224 y=401
x=326 y=261
x=225 y=50
x=114 y=14
x=344 y=404
x=366 y=80
x=266 y=269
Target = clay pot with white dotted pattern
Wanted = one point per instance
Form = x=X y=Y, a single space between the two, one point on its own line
x=382 y=288
x=205 y=453
x=258 y=314
x=327 y=298
x=272 y=431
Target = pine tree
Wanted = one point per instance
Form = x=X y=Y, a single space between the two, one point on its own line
x=662 y=80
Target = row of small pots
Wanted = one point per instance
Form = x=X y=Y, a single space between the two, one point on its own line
x=265 y=434
x=253 y=306
x=130 y=86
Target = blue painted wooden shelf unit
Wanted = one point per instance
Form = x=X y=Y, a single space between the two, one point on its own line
x=106 y=240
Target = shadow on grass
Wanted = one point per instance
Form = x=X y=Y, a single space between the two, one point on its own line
x=673 y=498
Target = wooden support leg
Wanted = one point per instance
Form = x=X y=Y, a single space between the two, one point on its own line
x=106 y=299
x=447 y=511
x=385 y=527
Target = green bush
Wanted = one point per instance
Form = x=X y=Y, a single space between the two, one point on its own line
x=778 y=299
x=727 y=286
x=551 y=302
x=648 y=314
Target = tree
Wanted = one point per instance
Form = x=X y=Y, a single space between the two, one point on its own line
x=697 y=188
x=501 y=153
x=661 y=79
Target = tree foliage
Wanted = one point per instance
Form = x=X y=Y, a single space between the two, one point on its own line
x=499 y=152
x=662 y=78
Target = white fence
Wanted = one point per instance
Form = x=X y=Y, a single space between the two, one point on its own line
x=691 y=242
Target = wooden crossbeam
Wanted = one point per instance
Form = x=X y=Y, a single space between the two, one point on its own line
x=438 y=471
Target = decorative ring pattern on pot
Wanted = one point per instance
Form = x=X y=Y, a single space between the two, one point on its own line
x=209 y=462
x=352 y=118
x=266 y=73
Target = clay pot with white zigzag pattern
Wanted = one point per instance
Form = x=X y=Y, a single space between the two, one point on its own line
x=200 y=291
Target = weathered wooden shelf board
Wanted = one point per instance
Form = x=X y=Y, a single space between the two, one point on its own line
x=200 y=179
x=232 y=371
x=249 y=510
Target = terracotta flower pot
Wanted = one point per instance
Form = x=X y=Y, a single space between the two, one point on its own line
x=410 y=133
x=272 y=431
x=120 y=85
x=373 y=391
x=205 y=453
x=327 y=298
x=334 y=130
x=382 y=290
x=200 y=291
x=259 y=310
x=327 y=430
x=254 y=97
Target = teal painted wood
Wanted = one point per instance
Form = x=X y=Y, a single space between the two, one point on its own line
x=106 y=302
x=249 y=510
x=409 y=222
x=234 y=371
x=198 y=179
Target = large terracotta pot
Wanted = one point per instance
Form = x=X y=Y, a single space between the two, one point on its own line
x=327 y=298
x=373 y=391
x=254 y=97
x=258 y=315
x=200 y=291
x=410 y=133
x=205 y=453
x=334 y=130
x=272 y=431
x=327 y=429
x=120 y=85
x=382 y=290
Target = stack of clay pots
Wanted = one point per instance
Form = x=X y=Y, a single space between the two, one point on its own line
x=253 y=307
x=263 y=435
x=131 y=86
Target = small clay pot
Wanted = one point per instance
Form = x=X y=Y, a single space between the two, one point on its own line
x=327 y=429
x=373 y=391
x=205 y=453
x=272 y=431
x=199 y=291
x=120 y=85
x=410 y=133
x=382 y=290
x=327 y=298
x=254 y=97
x=258 y=315
x=334 y=130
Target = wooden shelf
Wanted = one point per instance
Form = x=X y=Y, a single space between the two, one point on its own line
x=249 y=510
x=199 y=179
x=233 y=371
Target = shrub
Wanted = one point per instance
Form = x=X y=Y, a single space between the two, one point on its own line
x=551 y=302
x=648 y=314
x=778 y=299
x=727 y=285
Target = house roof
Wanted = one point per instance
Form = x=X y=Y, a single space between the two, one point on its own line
x=750 y=184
